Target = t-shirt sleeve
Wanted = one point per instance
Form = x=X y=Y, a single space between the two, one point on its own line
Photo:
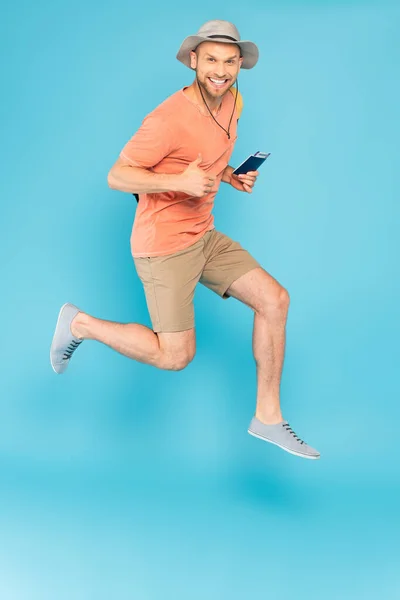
x=152 y=142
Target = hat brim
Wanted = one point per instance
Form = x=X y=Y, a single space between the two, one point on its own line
x=248 y=49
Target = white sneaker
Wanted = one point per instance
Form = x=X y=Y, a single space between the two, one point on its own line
x=64 y=343
x=282 y=435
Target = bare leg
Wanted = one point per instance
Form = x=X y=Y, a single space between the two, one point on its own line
x=270 y=302
x=163 y=350
x=269 y=349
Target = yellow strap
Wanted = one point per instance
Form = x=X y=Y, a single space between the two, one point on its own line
x=239 y=101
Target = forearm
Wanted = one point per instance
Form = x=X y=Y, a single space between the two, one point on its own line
x=135 y=180
x=226 y=175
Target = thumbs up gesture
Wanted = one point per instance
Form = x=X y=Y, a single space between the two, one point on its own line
x=194 y=181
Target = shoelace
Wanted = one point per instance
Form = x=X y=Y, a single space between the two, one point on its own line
x=71 y=349
x=290 y=430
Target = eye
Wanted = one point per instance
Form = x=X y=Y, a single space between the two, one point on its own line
x=210 y=59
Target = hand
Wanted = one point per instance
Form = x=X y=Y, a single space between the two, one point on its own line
x=194 y=181
x=245 y=182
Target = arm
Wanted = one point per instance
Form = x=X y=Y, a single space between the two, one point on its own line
x=193 y=181
x=152 y=142
x=226 y=175
x=125 y=178
x=156 y=139
x=243 y=183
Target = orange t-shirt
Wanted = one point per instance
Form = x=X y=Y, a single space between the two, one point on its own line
x=170 y=138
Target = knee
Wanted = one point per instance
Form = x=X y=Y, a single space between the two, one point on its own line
x=284 y=299
x=278 y=302
x=179 y=360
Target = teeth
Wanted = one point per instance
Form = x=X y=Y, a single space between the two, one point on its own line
x=218 y=81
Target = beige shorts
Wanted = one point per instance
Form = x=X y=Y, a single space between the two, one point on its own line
x=169 y=281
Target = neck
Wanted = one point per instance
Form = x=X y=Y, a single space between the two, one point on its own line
x=213 y=104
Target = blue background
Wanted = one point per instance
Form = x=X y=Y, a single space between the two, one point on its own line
x=122 y=481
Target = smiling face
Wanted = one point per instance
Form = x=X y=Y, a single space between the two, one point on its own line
x=217 y=66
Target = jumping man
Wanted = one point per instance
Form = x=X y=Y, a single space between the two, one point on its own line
x=174 y=164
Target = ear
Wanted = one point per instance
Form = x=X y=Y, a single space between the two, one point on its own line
x=193 y=59
x=241 y=62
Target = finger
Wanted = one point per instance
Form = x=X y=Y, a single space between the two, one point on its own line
x=248 y=176
x=248 y=181
x=250 y=173
x=247 y=188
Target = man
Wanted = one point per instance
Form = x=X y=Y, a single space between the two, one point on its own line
x=175 y=163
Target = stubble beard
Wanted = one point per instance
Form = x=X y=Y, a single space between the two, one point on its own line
x=212 y=94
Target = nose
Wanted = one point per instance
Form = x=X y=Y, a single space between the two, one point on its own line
x=220 y=76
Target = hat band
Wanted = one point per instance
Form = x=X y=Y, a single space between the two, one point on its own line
x=228 y=37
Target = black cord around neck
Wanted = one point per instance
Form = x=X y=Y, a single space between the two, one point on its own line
x=227 y=131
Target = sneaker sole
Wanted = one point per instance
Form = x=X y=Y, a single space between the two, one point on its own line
x=283 y=447
x=55 y=331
